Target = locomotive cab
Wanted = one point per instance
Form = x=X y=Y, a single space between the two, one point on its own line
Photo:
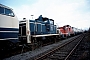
x=8 y=27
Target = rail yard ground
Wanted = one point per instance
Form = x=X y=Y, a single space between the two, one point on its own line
x=82 y=52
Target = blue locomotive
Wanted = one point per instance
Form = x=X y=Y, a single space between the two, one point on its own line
x=40 y=30
x=42 y=26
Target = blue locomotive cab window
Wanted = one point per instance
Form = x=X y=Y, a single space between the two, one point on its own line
x=9 y=12
x=51 y=22
x=46 y=21
x=1 y=10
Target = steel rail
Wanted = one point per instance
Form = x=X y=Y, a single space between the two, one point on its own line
x=48 y=53
x=73 y=49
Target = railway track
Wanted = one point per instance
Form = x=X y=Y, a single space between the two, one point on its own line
x=62 y=52
x=82 y=52
x=42 y=55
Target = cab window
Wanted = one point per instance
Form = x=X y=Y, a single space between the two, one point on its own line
x=51 y=21
x=9 y=12
x=1 y=10
x=6 y=11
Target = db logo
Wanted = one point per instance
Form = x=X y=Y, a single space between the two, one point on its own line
x=27 y=32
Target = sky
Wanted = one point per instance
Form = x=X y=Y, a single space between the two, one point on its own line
x=64 y=12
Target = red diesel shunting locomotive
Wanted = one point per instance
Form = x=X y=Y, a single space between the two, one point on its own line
x=66 y=31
